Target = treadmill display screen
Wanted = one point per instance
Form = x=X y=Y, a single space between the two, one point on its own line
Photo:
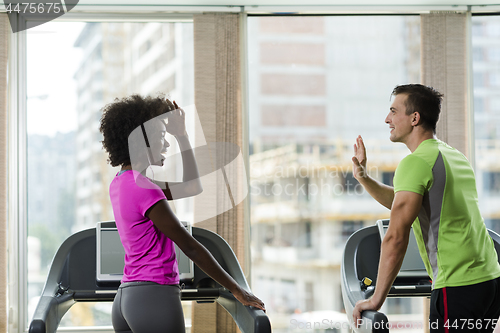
x=111 y=255
x=412 y=263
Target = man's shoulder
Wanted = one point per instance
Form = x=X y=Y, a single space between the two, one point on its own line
x=413 y=174
x=413 y=161
x=428 y=152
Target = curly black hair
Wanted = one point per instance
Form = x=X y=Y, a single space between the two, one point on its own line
x=121 y=117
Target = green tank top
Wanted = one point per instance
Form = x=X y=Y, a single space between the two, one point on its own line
x=450 y=232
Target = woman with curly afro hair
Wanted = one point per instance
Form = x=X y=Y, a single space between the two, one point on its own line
x=149 y=297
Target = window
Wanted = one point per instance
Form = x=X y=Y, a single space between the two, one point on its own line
x=68 y=177
x=349 y=227
x=477 y=54
x=309 y=296
x=351 y=185
x=478 y=80
x=478 y=103
x=388 y=178
x=494 y=79
x=491 y=182
x=487 y=118
x=315 y=84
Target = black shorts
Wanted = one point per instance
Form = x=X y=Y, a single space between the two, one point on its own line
x=148 y=307
x=472 y=308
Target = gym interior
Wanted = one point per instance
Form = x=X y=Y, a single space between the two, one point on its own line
x=291 y=84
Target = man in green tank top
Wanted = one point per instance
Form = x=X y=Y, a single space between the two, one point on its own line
x=435 y=191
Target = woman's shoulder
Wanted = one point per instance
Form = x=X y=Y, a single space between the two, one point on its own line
x=131 y=189
x=134 y=180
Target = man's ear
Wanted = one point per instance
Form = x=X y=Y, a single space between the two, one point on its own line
x=415 y=119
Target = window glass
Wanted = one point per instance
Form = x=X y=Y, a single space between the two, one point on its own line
x=315 y=84
x=486 y=68
x=74 y=69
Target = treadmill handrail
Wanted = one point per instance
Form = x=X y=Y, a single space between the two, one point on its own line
x=52 y=284
x=372 y=321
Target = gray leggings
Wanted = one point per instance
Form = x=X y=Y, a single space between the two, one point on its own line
x=148 y=307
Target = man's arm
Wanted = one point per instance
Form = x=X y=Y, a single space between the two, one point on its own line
x=405 y=209
x=384 y=194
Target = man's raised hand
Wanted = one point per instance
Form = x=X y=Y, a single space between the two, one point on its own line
x=359 y=159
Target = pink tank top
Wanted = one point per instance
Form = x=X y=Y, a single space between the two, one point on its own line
x=149 y=254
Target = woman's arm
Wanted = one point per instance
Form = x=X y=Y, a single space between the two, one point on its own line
x=165 y=220
x=191 y=183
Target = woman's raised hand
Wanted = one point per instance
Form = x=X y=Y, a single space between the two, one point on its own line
x=176 y=124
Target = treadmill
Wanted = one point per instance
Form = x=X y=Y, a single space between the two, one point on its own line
x=72 y=278
x=359 y=268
